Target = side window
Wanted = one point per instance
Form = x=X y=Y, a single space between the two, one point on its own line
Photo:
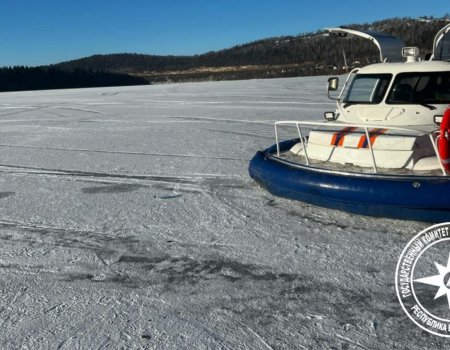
x=402 y=90
x=362 y=90
x=442 y=91
x=368 y=89
x=414 y=88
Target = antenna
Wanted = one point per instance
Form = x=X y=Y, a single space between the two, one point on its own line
x=345 y=60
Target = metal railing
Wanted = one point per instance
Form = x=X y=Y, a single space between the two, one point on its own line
x=365 y=127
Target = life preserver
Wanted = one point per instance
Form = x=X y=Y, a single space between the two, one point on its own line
x=444 y=140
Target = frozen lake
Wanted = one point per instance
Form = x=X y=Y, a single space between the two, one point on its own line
x=128 y=220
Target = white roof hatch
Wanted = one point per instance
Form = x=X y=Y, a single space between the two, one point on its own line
x=390 y=46
x=441 y=45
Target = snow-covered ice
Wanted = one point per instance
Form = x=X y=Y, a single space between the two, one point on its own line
x=128 y=220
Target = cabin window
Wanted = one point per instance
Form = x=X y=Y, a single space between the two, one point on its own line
x=420 y=88
x=367 y=88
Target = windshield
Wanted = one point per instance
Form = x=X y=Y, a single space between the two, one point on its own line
x=367 y=88
x=420 y=88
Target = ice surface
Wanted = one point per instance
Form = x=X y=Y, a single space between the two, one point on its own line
x=128 y=220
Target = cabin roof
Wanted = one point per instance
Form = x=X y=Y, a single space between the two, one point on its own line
x=414 y=67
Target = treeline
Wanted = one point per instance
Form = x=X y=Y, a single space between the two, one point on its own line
x=313 y=53
x=323 y=49
x=43 y=78
x=306 y=54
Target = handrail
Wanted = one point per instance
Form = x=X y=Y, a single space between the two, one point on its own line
x=413 y=131
x=366 y=127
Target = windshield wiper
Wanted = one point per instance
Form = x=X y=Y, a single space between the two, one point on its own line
x=348 y=104
x=427 y=106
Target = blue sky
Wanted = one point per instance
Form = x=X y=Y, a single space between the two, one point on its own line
x=37 y=32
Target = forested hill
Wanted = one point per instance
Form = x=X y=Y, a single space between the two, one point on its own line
x=305 y=54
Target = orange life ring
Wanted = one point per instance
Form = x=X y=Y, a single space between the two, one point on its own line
x=444 y=140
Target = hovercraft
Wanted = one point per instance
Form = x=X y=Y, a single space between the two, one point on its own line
x=384 y=151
